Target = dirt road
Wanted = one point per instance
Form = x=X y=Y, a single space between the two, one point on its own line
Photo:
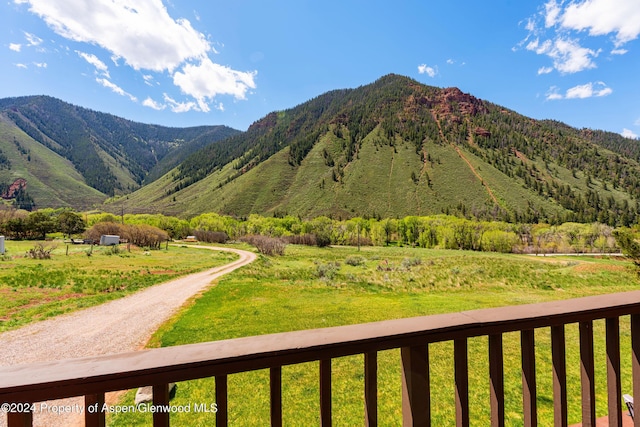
x=118 y=326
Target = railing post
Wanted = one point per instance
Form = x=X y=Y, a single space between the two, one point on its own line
x=416 y=395
x=496 y=376
x=529 y=393
x=20 y=419
x=558 y=355
x=461 y=367
x=94 y=416
x=613 y=372
x=325 y=393
x=222 y=415
x=161 y=399
x=635 y=360
x=587 y=375
x=371 y=389
x=275 y=384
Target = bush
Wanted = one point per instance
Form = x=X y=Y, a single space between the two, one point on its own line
x=354 y=260
x=328 y=271
x=40 y=252
x=407 y=263
x=146 y=236
x=364 y=241
x=629 y=245
x=266 y=245
x=211 y=236
x=323 y=240
x=104 y=228
x=301 y=239
x=143 y=235
x=112 y=250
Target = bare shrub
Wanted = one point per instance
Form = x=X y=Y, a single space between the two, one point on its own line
x=39 y=251
x=143 y=235
x=211 y=236
x=301 y=239
x=364 y=241
x=146 y=236
x=266 y=245
x=104 y=228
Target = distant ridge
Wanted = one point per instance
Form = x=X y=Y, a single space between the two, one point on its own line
x=397 y=147
x=391 y=148
x=73 y=156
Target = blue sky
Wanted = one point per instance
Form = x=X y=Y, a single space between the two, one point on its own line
x=190 y=62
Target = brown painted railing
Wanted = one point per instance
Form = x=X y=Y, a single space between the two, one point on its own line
x=92 y=377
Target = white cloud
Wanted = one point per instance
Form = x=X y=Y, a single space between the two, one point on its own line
x=153 y=104
x=567 y=54
x=40 y=64
x=545 y=70
x=552 y=12
x=534 y=45
x=32 y=40
x=604 y=17
x=15 y=47
x=180 y=107
x=115 y=88
x=146 y=37
x=588 y=90
x=143 y=36
x=530 y=25
x=562 y=30
x=553 y=94
x=627 y=133
x=450 y=61
x=207 y=79
x=148 y=79
x=95 y=61
x=21 y=66
x=425 y=69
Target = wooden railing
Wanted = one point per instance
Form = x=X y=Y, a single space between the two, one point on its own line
x=92 y=377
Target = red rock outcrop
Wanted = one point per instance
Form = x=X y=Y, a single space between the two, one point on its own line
x=10 y=193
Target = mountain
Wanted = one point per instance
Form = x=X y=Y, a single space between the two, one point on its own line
x=397 y=147
x=73 y=156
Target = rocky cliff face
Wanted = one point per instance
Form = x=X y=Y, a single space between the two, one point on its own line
x=18 y=184
x=453 y=104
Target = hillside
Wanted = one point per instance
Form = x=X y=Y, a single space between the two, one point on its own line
x=72 y=156
x=397 y=147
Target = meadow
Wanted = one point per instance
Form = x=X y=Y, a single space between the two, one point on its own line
x=313 y=288
x=78 y=276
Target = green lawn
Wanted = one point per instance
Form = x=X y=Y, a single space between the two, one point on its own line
x=313 y=288
x=34 y=289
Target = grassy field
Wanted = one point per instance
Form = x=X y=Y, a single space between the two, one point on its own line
x=34 y=289
x=313 y=288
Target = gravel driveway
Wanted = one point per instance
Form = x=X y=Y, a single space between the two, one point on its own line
x=117 y=326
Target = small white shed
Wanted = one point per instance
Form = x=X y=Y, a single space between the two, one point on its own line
x=109 y=240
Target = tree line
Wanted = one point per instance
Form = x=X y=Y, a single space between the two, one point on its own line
x=436 y=231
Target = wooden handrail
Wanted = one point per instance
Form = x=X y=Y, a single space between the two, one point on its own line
x=93 y=376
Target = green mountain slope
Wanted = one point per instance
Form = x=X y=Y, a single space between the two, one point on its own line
x=109 y=154
x=397 y=147
x=51 y=179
